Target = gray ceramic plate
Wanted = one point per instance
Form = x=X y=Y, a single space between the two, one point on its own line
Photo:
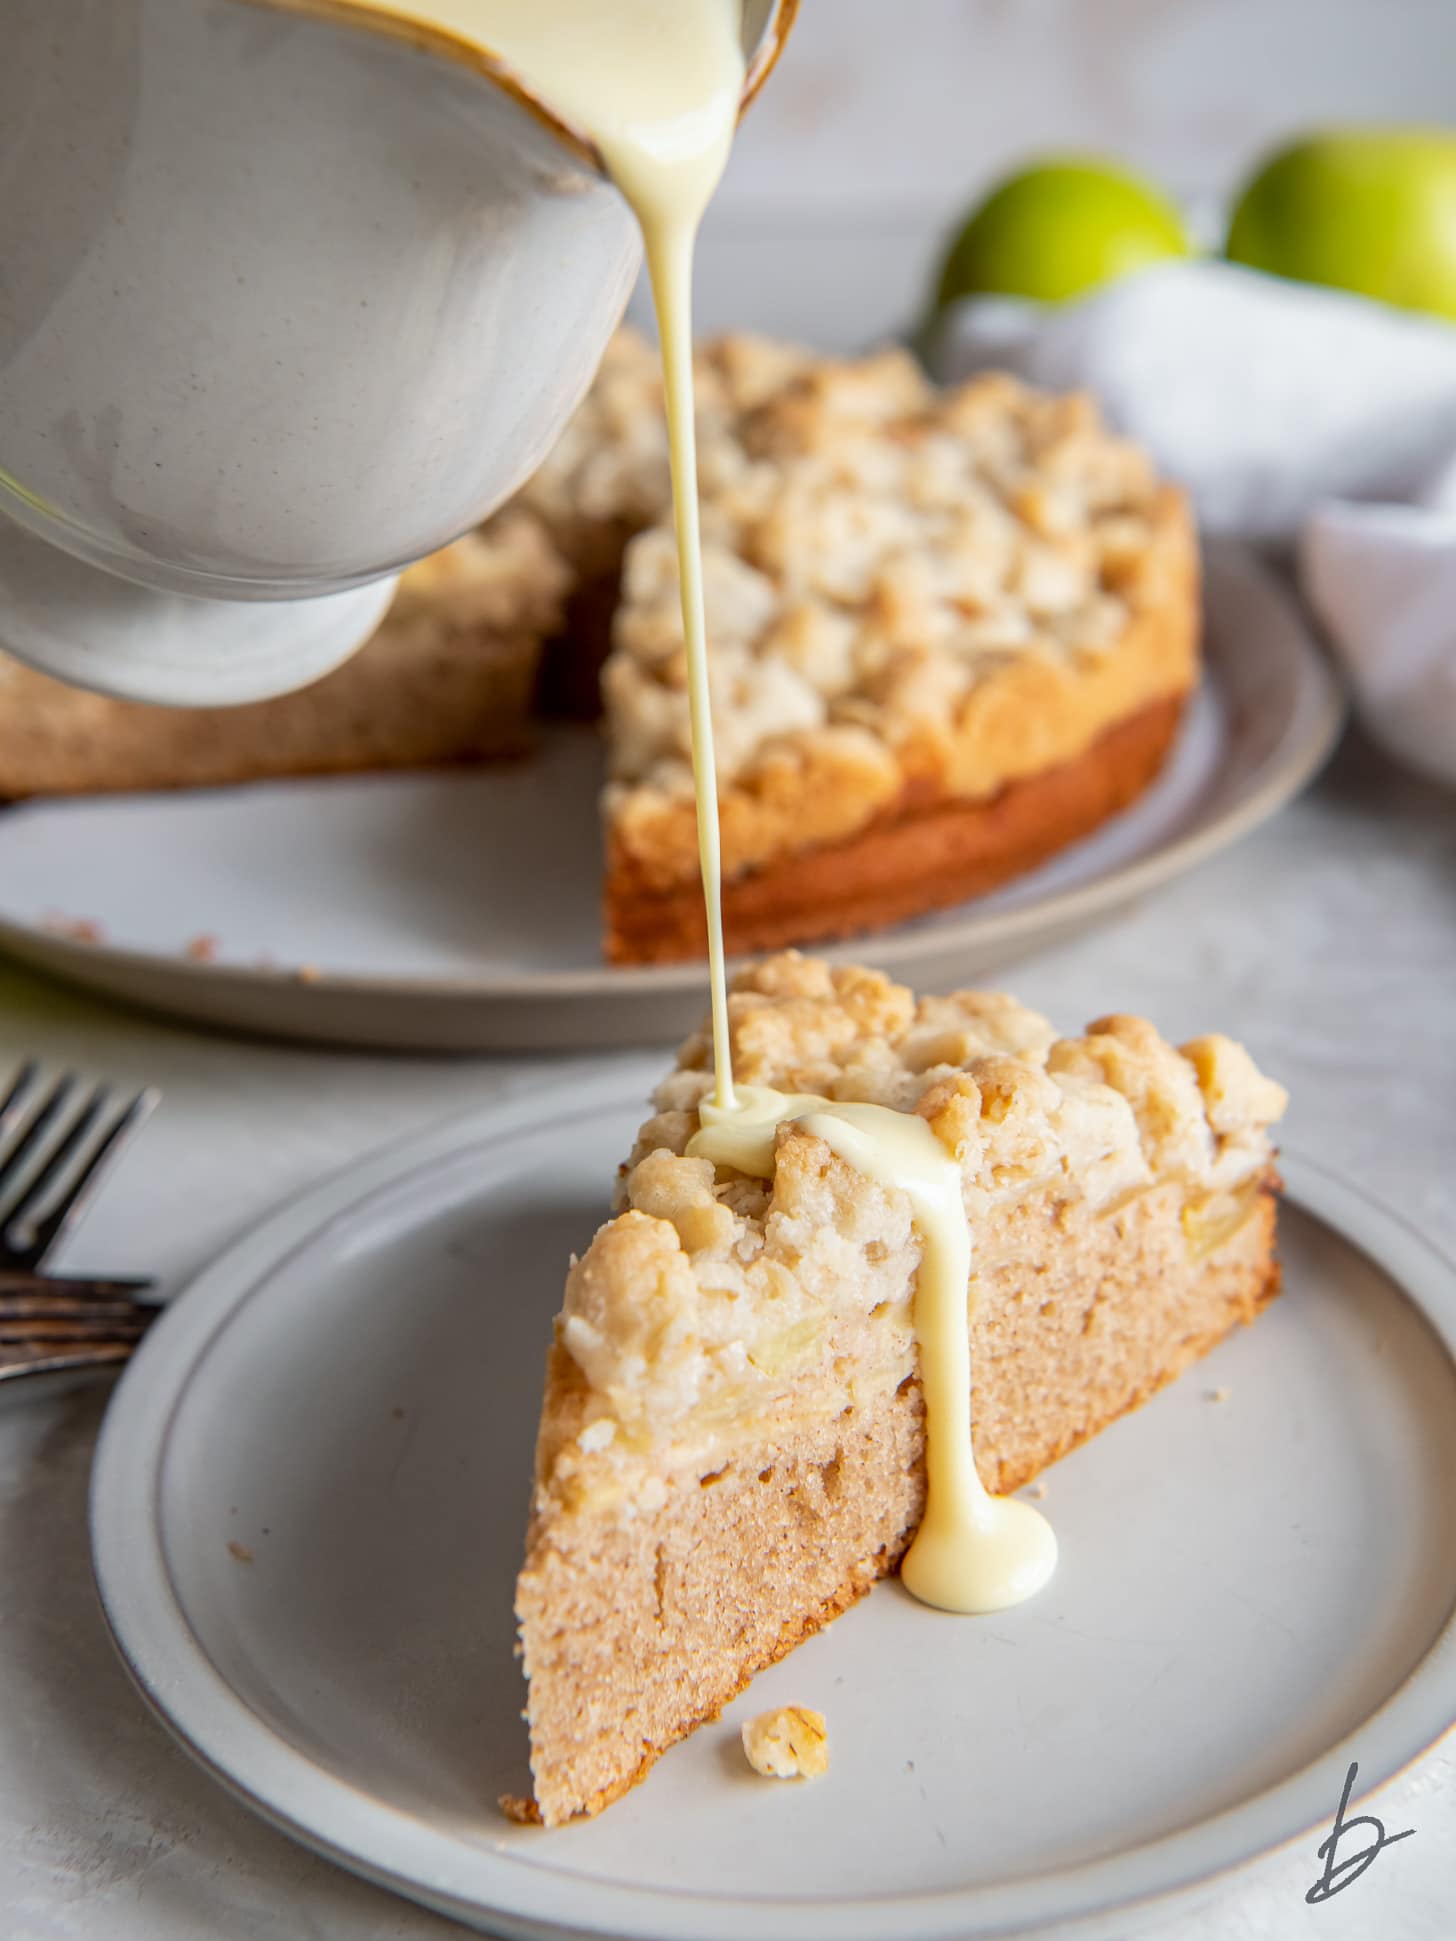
x=308 y=1508
x=460 y=911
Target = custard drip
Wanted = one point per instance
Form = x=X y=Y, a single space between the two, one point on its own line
x=656 y=86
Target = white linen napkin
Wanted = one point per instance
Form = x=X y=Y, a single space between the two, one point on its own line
x=1295 y=415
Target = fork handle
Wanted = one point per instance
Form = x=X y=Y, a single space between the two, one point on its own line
x=19 y=1282
x=51 y=1325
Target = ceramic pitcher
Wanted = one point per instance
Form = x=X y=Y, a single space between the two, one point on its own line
x=289 y=296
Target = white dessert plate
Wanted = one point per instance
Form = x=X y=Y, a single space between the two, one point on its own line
x=461 y=910
x=308 y=1509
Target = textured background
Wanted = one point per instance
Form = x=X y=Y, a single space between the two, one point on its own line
x=886 y=117
x=905 y=105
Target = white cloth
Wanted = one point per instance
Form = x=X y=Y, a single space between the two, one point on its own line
x=1295 y=415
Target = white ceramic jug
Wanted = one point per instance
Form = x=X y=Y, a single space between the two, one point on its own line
x=288 y=297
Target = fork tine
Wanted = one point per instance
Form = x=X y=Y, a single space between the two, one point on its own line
x=19 y=1086
x=32 y=1133
x=66 y=1360
x=33 y=1193
x=48 y=1231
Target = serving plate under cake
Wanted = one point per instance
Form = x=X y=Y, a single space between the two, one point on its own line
x=461 y=910
x=307 y=1518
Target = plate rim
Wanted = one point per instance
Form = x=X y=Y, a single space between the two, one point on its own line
x=1319 y=716
x=170 y=1667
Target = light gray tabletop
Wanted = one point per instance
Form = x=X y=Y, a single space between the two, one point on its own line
x=1327 y=941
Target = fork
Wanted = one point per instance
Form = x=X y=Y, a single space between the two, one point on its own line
x=55 y=1144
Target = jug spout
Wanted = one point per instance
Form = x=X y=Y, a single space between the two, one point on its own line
x=766 y=25
x=452 y=30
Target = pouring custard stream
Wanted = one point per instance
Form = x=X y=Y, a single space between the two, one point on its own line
x=656 y=85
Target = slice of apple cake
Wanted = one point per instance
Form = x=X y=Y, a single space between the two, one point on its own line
x=731 y=1447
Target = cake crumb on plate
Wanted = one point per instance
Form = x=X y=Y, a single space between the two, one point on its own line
x=789 y=1743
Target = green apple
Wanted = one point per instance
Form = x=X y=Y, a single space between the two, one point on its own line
x=1371 y=210
x=1060 y=228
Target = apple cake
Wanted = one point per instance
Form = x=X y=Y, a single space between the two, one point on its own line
x=950 y=632
x=449 y=676
x=731 y=1448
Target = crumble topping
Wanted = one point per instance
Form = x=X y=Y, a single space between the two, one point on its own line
x=873 y=548
x=508 y=575
x=912 y=595
x=710 y=1296
x=790 y=1743
x=609 y=467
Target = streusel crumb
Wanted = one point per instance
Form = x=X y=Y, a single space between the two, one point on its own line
x=508 y=574
x=716 y=1299
x=873 y=548
x=913 y=595
x=789 y=1743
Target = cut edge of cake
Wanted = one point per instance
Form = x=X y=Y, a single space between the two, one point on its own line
x=731 y=1448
